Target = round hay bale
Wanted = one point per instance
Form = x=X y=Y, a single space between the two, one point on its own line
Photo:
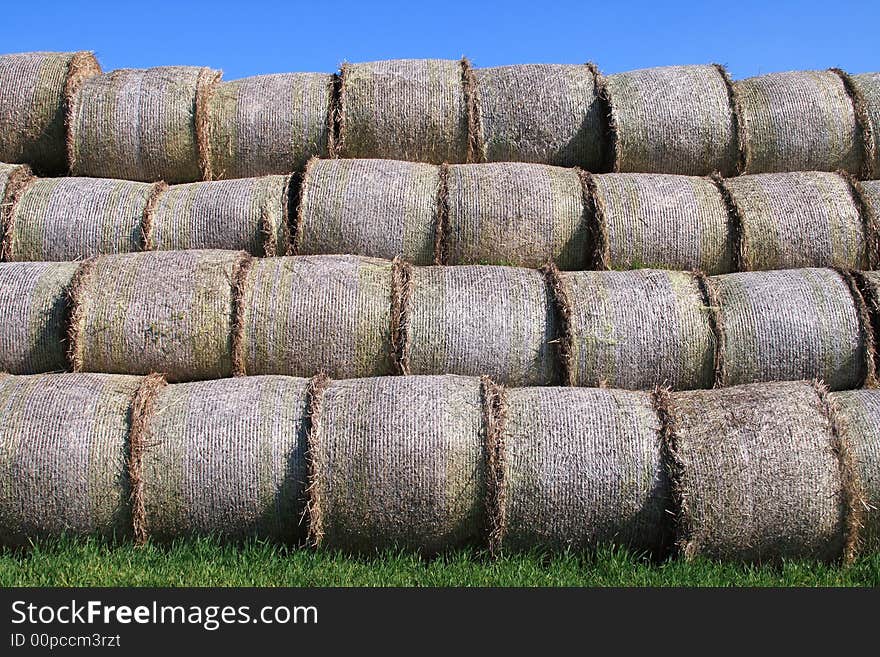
x=375 y=208
x=63 y=456
x=639 y=329
x=476 y=320
x=871 y=195
x=248 y=214
x=310 y=314
x=541 y=113
x=788 y=325
x=226 y=458
x=268 y=124
x=33 y=325
x=673 y=119
x=12 y=178
x=664 y=221
x=143 y=124
x=169 y=312
x=398 y=462
x=757 y=474
x=36 y=91
x=867 y=87
x=802 y=219
x=76 y=218
x=798 y=121
x=583 y=467
x=406 y=109
x=516 y=214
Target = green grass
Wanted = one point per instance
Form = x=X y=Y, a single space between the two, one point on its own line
x=205 y=562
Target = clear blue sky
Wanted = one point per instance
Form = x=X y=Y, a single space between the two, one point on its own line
x=248 y=37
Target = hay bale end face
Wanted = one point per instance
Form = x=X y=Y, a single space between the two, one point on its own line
x=639 y=329
x=789 y=325
x=268 y=124
x=582 y=468
x=477 y=320
x=63 y=456
x=375 y=208
x=413 y=109
x=798 y=121
x=399 y=462
x=758 y=474
x=143 y=124
x=36 y=90
x=227 y=458
x=673 y=119
x=542 y=113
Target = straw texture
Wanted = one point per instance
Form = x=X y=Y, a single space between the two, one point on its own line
x=36 y=89
x=583 y=468
x=142 y=124
x=313 y=314
x=798 y=121
x=639 y=329
x=543 y=113
x=167 y=312
x=268 y=124
x=759 y=478
x=376 y=208
x=788 y=325
x=516 y=214
x=478 y=320
x=227 y=458
x=63 y=451
x=249 y=214
x=33 y=327
x=673 y=119
x=404 y=110
x=399 y=461
x=867 y=86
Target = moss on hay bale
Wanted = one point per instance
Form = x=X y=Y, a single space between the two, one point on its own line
x=583 y=467
x=867 y=86
x=36 y=90
x=375 y=208
x=398 y=461
x=143 y=124
x=310 y=314
x=268 y=124
x=63 y=453
x=479 y=320
x=542 y=113
x=673 y=119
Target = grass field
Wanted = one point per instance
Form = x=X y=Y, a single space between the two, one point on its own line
x=208 y=563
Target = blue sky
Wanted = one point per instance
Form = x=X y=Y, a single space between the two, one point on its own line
x=249 y=37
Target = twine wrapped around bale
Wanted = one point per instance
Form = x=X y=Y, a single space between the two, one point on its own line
x=758 y=474
x=516 y=214
x=791 y=324
x=170 y=312
x=801 y=219
x=226 y=458
x=63 y=454
x=867 y=89
x=663 y=221
x=542 y=113
x=868 y=193
x=268 y=124
x=481 y=319
x=375 y=208
x=248 y=214
x=143 y=124
x=638 y=329
x=583 y=467
x=75 y=218
x=673 y=119
x=413 y=109
x=798 y=121
x=398 y=462
x=309 y=314
x=33 y=324
x=36 y=91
